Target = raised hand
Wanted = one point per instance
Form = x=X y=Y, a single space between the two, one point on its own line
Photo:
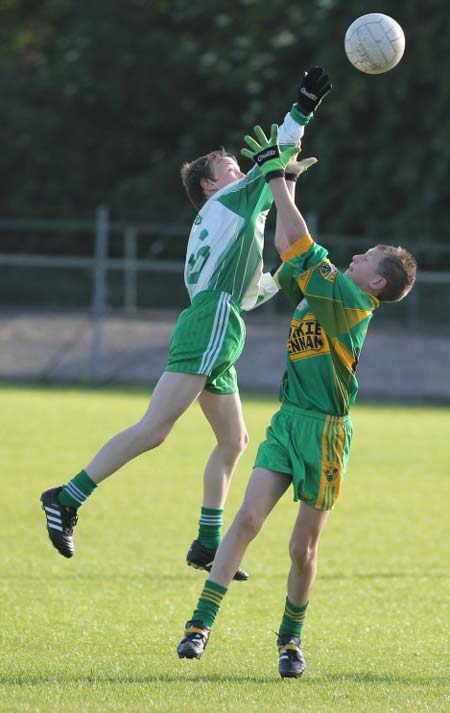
x=266 y=152
x=314 y=87
x=294 y=168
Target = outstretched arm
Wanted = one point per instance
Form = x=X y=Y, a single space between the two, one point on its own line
x=266 y=153
x=293 y=170
x=291 y=226
x=280 y=236
x=284 y=274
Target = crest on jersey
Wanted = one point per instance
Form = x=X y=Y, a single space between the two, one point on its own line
x=328 y=271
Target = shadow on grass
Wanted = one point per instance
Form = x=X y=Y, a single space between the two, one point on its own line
x=356 y=677
x=168 y=576
x=388 y=575
x=366 y=677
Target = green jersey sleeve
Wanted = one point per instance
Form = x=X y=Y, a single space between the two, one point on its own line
x=286 y=278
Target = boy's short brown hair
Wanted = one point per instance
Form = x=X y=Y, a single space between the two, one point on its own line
x=399 y=268
x=201 y=168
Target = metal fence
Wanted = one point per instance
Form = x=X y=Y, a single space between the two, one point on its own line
x=117 y=255
x=135 y=266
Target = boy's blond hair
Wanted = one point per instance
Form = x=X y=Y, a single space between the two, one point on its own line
x=399 y=268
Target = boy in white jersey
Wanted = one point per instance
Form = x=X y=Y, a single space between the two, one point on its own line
x=223 y=276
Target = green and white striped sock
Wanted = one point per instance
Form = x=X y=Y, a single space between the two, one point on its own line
x=77 y=490
x=210 y=528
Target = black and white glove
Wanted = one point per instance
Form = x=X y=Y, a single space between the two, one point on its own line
x=314 y=87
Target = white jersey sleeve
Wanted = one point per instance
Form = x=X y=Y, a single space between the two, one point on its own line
x=259 y=291
x=290 y=132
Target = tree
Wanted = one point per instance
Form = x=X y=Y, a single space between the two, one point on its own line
x=103 y=101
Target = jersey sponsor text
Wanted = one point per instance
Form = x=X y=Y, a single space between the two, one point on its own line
x=306 y=338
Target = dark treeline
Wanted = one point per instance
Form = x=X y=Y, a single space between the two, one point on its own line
x=102 y=101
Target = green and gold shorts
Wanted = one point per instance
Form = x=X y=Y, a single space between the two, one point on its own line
x=312 y=448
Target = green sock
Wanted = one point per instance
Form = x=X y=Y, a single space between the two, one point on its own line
x=210 y=528
x=293 y=618
x=209 y=603
x=77 y=490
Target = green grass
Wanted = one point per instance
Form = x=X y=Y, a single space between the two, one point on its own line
x=99 y=632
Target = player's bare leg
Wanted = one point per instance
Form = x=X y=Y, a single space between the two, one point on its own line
x=173 y=395
x=303 y=548
x=264 y=490
x=224 y=414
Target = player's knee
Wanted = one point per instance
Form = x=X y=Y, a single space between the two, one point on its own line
x=156 y=439
x=242 y=441
x=248 y=521
x=150 y=438
x=234 y=445
x=302 y=553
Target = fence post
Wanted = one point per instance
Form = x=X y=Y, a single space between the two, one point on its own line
x=271 y=259
x=312 y=220
x=130 y=271
x=413 y=306
x=99 y=288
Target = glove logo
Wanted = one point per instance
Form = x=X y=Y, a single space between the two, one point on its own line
x=267 y=155
x=310 y=95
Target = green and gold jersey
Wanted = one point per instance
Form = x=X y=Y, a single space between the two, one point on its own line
x=225 y=247
x=327 y=331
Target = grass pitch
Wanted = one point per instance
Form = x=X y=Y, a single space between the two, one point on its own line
x=99 y=632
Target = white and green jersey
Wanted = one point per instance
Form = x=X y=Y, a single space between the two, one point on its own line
x=225 y=247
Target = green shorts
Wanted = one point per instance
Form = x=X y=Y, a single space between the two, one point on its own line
x=208 y=338
x=312 y=448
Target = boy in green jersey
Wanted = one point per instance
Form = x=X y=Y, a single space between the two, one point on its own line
x=307 y=443
x=224 y=277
